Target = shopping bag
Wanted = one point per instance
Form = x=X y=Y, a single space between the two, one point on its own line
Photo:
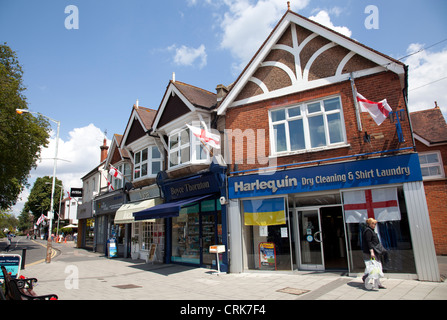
x=374 y=272
x=374 y=269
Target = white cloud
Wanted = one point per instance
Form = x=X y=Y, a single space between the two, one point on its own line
x=247 y=24
x=187 y=56
x=79 y=154
x=426 y=69
x=323 y=18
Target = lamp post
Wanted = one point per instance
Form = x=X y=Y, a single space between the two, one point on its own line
x=51 y=213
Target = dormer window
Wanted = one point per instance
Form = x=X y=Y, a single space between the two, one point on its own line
x=186 y=148
x=179 y=148
x=125 y=169
x=147 y=163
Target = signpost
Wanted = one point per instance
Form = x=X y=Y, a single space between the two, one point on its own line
x=12 y=263
x=217 y=249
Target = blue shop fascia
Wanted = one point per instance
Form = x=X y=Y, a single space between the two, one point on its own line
x=194 y=217
x=312 y=217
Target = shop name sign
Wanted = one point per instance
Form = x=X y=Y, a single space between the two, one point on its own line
x=195 y=186
x=397 y=169
x=187 y=187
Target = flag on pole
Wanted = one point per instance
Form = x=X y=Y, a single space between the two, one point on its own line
x=380 y=204
x=211 y=139
x=115 y=172
x=379 y=111
x=109 y=184
x=39 y=221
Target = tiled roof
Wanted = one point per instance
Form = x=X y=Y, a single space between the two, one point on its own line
x=146 y=115
x=430 y=125
x=119 y=139
x=197 y=96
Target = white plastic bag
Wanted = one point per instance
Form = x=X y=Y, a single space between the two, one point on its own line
x=374 y=271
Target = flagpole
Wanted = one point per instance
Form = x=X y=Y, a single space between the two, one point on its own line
x=354 y=95
x=211 y=152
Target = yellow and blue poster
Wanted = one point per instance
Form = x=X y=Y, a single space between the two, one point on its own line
x=264 y=212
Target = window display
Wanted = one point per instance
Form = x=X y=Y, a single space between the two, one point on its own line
x=394 y=234
x=197 y=227
x=266 y=235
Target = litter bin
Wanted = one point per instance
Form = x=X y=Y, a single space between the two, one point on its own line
x=111 y=248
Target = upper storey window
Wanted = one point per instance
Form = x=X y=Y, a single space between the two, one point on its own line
x=185 y=148
x=148 y=162
x=307 y=127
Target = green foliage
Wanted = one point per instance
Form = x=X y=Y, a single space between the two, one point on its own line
x=39 y=200
x=26 y=220
x=22 y=137
x=7 y=221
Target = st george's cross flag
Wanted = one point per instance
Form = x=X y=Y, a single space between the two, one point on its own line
x=111 y=188
x=211 y=139
x=380 y=204
x=379 y=111
x=115 y=172
x=41 y=218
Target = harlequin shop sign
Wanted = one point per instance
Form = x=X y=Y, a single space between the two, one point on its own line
x=386 y=170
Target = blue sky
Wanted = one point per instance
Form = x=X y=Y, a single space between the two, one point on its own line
x=89 y=78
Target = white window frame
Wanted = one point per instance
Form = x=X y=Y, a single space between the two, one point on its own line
x=148 y=162
x=305 y=116
x=433 y=164
x=127 y=173
x=179 y=148
x=193 y=144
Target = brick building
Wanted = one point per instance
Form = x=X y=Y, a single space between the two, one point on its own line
x=430 y=132
x=307 y=167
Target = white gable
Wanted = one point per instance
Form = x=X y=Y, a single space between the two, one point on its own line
x=300 y=55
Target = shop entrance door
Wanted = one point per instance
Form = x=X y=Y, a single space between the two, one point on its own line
x=310 y=254
x=208 y=237
x=320 y=238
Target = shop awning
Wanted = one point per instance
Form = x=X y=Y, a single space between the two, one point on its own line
x=166 y=210
x=125 y=213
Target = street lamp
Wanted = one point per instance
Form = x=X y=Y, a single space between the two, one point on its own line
x=50 y=216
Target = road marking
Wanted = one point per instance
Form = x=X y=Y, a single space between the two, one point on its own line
x=53 y=254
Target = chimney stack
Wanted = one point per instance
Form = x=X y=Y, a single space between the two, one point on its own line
x=104 y=148
x=221 y=91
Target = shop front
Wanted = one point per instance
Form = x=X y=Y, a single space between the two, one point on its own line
x=194 y=218
x=140 y=236
x=105 y=228
x=312 y=218
x=86 y=226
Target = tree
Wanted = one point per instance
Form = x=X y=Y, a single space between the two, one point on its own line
x=7 y=222
x=22 y=137
x=26 y=220
x=39 y=200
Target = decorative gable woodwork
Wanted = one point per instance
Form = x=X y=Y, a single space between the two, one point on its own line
x=299 y=58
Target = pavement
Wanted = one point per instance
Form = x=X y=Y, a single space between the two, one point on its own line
x=78 y=274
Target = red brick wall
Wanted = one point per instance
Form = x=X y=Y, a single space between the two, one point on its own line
x=436 y=194
x=376 y=87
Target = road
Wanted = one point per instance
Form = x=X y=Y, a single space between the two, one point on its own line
x=36 y=250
